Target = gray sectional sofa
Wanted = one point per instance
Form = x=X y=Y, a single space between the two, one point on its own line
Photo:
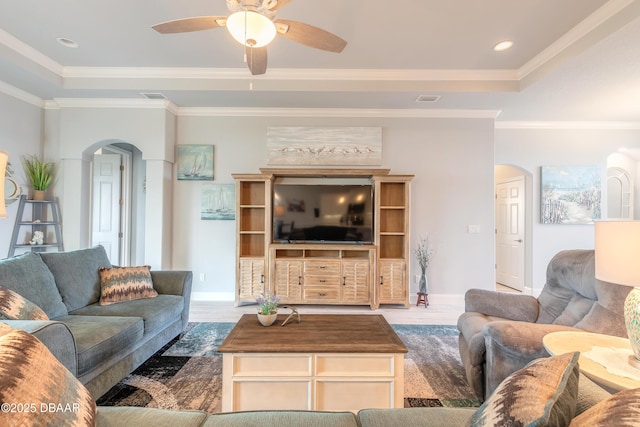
x=99 y=344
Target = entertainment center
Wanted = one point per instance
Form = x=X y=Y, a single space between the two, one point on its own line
x=323 y=236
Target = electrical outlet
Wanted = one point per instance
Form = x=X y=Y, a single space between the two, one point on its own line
x=416 y=278
x=202 y=276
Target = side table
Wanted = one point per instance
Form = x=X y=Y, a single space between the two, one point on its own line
x=568 y=341
x=423 y=299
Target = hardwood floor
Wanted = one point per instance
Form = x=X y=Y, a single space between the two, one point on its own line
x=435 y=314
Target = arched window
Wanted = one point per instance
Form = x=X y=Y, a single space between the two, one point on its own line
x=619 y=194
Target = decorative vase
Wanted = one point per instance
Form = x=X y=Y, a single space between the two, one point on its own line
x=267 y=319
x=39 y=194
x=424 y=286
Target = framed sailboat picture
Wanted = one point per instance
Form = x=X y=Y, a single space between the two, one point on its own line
x=195 y=162
x=218 y=202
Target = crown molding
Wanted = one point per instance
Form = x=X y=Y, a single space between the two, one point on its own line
x=20 y=94
x=337 y=112
x=287 y=74
x=596 y=26
x=567 y=125
x=30 y=53
x=111 y=103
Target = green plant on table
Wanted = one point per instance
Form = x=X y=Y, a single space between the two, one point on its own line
x=267 y=303
x=40 y=173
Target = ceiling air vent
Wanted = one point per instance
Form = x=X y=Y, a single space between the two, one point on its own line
x=427 y=98
x=153 y=95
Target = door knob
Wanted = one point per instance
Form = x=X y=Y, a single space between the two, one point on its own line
x=518 y=240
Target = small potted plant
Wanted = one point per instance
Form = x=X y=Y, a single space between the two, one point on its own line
x=267 y=308
x=40 y=174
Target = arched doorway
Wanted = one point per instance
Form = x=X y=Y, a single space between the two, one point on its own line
x=619 y=194
x=116 y=195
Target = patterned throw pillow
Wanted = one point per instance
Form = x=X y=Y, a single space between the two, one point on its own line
x=14 y=306
x=622 y=409
x=543 y=393
x=125 y=284
x=35 y=389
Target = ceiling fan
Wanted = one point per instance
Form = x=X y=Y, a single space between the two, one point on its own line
x=252 y=23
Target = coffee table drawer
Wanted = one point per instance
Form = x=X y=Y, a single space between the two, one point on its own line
x=354 y=395
x=355 y=365
x=272 y=365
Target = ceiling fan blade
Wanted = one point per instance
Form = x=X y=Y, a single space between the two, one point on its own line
x=190 y=24
x=309 y=35
x=256 y=59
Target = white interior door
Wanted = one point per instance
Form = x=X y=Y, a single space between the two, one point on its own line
x=106 y=204
x=510 y=233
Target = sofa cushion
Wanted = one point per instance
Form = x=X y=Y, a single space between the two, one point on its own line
x=76 y=274
x=283 y=418
x=542 y=393
x=43 y=391
x=119 y=284
x=148 y=417
x=621 y=409
x=156 y=313
x=415 y=417
x=29 y=276
x=13 y=306
x=100 y=337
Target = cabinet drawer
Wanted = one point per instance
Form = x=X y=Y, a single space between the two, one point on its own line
x=319 y=293
x=322 y=268
x=319 y=280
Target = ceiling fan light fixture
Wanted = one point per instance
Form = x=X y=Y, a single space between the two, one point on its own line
x=251 y=28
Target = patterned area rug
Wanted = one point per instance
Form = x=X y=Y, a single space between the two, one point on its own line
x=186 y=373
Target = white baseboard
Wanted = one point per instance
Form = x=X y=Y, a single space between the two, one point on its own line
x=212 y=296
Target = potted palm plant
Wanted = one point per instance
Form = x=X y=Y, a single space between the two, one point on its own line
x=40 y=173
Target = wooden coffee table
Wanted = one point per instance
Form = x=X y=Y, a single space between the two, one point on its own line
x=325 y=363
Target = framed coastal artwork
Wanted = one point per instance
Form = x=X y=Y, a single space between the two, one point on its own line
x=570 y=194
x=218 y=202
x=324 y=146
x=195 y=162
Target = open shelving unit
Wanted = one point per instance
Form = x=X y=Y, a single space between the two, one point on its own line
x=314 y=273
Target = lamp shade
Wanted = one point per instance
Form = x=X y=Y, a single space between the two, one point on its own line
x=251 y=28
x=617 y=252
x=4 y=157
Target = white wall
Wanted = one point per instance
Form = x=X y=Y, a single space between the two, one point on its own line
x=452 y=160
x=21 y=127
x=533 y=148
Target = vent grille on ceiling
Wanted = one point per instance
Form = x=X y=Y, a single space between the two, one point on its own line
x=427 y=98
x=153 y=95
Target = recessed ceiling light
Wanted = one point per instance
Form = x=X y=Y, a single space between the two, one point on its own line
x=503 y=45
x=67 y=42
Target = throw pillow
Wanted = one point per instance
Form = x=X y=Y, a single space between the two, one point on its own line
x=622 y=409
x=36 y=389
x=543 y=393
x=125 y=284
x=15 y=307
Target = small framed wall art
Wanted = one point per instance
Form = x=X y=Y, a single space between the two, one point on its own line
x=218 y=202
x=195 y=162
x=570 y=194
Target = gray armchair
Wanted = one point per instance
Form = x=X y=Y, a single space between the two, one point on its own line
x=502 y=332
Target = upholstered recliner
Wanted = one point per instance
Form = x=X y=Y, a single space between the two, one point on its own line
x=502 y=332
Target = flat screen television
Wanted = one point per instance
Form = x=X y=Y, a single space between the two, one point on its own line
x=323 y=210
